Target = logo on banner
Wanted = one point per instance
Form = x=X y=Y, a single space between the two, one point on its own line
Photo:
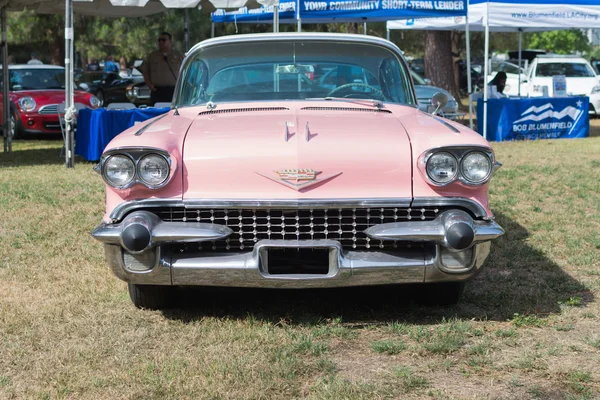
x=545 y=122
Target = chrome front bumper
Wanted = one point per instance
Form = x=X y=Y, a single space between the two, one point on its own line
x=453 y=247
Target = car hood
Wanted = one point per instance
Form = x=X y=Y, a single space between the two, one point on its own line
x=356 y=151
x=51 y=96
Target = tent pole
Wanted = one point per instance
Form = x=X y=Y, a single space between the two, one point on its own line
x=69 y=110
x=364 y=27
x=186 y=31
x=298 y=16
x=387 y=33
x=486 y=68
x=212 y=29
x=276 y=18
x=520 y=51
x=5 y=98
x=469 y=83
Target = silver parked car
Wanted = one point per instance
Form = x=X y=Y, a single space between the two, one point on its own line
x=425 y=93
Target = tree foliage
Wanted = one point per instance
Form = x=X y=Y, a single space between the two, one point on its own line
x=560 y=42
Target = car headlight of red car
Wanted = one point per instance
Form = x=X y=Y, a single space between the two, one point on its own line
x=27 y=104
x=94 y=101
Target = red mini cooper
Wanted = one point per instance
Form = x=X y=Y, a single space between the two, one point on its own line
x=35 y=93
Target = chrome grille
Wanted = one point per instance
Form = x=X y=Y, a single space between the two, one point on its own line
x=345 y=225
x=49 y=109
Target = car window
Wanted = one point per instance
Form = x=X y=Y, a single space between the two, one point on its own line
x=570 y=70
x=509 y=68
x=293 y=70
x=31 y=79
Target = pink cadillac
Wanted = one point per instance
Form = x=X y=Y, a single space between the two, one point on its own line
x=296 y=161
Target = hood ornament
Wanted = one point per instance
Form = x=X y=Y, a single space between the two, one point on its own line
x=298 y=179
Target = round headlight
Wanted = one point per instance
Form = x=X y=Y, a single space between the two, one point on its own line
x=27 y=103
x=119 y=171
x=442 y=167
x=476 y=167
x=153 y=169
x=94 y=101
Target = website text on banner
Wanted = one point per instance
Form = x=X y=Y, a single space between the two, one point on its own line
x=536 y=118
x=377 y=10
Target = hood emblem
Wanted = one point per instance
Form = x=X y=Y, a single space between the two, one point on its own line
x=298 y=179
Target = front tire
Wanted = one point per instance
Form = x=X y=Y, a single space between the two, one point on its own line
x=150 y=297
x=16 y=130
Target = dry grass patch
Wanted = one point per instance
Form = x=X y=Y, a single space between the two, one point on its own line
x=528 y=326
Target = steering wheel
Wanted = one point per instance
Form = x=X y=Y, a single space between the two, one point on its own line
x=355 y=84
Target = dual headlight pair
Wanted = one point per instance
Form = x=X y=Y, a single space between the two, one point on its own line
x=472 y=167
x=122 y=170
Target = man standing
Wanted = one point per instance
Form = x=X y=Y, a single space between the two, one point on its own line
x=34 y=60
x=161 y=69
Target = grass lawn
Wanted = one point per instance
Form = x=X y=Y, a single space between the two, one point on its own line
x=527 y=328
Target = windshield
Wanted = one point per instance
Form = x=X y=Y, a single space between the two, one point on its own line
x=293 y=70
x=509 y=68
x=569 y=70
x=418 y=79
x=28 y=79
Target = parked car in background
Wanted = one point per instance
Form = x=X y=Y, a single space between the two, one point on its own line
x=580 y=76
x=35 y=92
x=262 y=177
x=425 y=94
x=108 y=87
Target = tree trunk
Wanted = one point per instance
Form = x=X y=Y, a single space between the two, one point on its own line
x=439 y=63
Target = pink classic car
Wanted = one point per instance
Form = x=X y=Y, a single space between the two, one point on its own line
x=261 y=177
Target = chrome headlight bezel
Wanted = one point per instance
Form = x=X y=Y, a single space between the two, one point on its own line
x=27 y=104
x=106 y=164
x=460 y=153
x=135 y=155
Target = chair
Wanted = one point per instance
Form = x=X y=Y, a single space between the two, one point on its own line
x=120 y=106
x=60 y=110
x=162 y=104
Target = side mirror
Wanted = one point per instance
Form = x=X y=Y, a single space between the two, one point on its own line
x=439 y=101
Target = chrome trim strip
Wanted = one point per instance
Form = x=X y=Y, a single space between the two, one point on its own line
x=475 y=208
x=143 y=129
x=120 y=211
x=441 y=120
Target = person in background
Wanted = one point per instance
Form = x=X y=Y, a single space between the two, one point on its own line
x=124 y=72
x=161 y=69
x=34 y=60
x=499 y=82
x=92 y=65
x=110 y=65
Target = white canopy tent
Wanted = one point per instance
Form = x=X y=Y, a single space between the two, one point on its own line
x=103 y=8
x=514 y=16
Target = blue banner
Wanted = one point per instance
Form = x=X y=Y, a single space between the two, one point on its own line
x=322 y=11
x=287 y=14
x=535 y=118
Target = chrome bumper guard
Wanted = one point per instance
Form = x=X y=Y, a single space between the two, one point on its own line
x=134 y=251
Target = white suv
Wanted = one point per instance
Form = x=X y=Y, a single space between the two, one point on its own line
x=581 y=77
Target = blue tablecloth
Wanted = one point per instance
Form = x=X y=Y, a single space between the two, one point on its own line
x=96 y=128
x=535 y=118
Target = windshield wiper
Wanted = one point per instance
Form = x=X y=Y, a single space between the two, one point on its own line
x=371 y=102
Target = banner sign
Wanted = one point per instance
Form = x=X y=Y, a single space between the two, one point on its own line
x=536 y=118
x=287 y=14
x=322 y=11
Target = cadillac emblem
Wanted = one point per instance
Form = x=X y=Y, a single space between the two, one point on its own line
x=298 y=178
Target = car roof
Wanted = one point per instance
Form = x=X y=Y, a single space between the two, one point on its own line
x=34 y=66
x=548 y=59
